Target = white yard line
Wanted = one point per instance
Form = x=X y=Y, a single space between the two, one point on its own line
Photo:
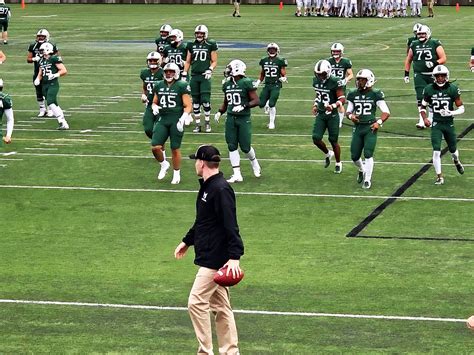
x=241 y=311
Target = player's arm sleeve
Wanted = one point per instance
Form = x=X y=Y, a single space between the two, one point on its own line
x=10 y=121
x=382 y=105
x=226 y=212
x=350 y=107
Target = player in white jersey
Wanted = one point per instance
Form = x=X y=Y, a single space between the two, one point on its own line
x=299 y=6
x=416 y=6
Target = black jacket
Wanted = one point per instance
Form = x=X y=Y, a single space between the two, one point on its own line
x=215 y=233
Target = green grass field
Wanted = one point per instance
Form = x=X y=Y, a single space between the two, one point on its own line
x=85 y=220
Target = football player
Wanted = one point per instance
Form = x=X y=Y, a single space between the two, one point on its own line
x=416 y=6
x=6 y=108
x=202 y=60
x=172 y=101
x=342 y=69
x=150 y=76
x=471 y=64
x=34 y=56
x=274 y=73
x=362 y=105
x=430 y=4
x=5 y=15
x=329 y=96
x=441 y=96
x=299 y=6
x=425 y=53
x=162 y=40
x=51 y=68
x=175 y=52
x=416 y=27
x=236 y=12
x=240 y=95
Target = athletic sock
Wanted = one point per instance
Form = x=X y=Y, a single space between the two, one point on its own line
x=369 y=168
x=437 y=161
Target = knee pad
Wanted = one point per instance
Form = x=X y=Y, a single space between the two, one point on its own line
x=196 y=108
x=206 y=106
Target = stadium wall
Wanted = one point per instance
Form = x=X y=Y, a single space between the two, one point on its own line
x=203 y=2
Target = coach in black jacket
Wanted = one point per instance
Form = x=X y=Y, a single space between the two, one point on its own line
x=217 y=242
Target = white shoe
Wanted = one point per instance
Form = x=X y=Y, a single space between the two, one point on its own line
x=439 y=181
x=328 y=158
x=207 y=127
x=176 y=179
x=235 y=178
x=257 y=172
x=420 y=126
x=42 y=113
x=366 y=185
x=163 y=170
x=63 y=126
x=271 y=126
x=49 y=113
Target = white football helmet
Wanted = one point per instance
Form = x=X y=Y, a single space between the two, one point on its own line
x=42 y=35
x=178 y=36
x=175 y=69
x=274 y=52
x=322 y=70
x=441 y=75
x=423 y=33
x=165 y=31
x=153 y=60
x=46 y=49
x=416 y=27
x=235 y=68
x=201 y=32
x=365 y=74
x=337 y=50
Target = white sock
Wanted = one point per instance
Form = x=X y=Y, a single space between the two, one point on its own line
x=369 y=168
x=430 y=115
x=341 y=118
x=272 y=113
x=420 y=119
x=251 y=154
x=359 y=164
x=234 y=158
x=330 y=152
x=437 y=161
x=455 y=155
x=41 y=105
x=57 y=112
x=176 y=174
x=164 y=154
x=163 y=163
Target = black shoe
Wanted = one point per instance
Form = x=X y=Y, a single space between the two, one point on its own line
x=360 y=177
x=233 y=14
x=238 y=16
x=459 y=167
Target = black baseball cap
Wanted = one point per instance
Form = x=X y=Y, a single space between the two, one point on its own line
x=207 y=153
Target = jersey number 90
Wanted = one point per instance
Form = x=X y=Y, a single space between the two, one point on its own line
x=233 y=98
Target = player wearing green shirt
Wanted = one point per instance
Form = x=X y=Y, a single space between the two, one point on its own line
x=201 y=59
x=51 y=68
x=425 y=53
x=5 y=14
x=342 y=69
x=162 y=40
x=240 y=95
x=410 y=40
x=149 y=77
x=362 y=105
x=172 y=101
x=34 y=56
x=441 y=96
x=176 y=51
x=274 y=73
x=6 y=107
x=329 y=96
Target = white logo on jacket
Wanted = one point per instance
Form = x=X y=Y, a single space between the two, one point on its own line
x=204 y=196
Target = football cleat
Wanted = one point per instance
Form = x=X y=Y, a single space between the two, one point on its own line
x=49 y=113
x=338 y=169
x=439 y=181
x=42 y=113
x=197 y=129
x=360 y=177
x=176 y=180
x=367 y=184
x=257 y=172
x=459 y=167
x=207 y=127
x=420 y=126
x=63 y=126
x=235 y=178
x=163 y=170
x=328 y=159
x=271 y=126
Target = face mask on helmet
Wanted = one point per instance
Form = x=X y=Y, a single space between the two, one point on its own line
x=422 y=36
x=40 y=38
x=336 y=54
x=153 y=63
x=170 y=75
x=200 y=36
x=272 y=51
x=322 y=76
x=441 y=79
x=164 y=34
x=361 y=83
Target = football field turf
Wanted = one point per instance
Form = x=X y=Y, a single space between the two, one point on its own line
x=84 y=219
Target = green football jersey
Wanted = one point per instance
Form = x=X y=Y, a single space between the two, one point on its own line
x=339 y=69
x=7 y=103
x=410 y=40
x=161 y=44
x=423 y=52
x=365 y=104
x=48 y=66
x=176 y=55
x=272 y=69
x=34 y=48
x=441 y=98
x=149 y=79
x=326 y=92
x=201 y=55
x=237 y=93
x=170 y=98
x=4 y=12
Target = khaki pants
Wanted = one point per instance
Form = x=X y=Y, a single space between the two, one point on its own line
x=208 y=296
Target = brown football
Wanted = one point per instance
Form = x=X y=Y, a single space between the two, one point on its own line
x=221 y=279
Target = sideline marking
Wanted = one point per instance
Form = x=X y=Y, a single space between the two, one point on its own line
x=242 y=311
x=354 y=233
